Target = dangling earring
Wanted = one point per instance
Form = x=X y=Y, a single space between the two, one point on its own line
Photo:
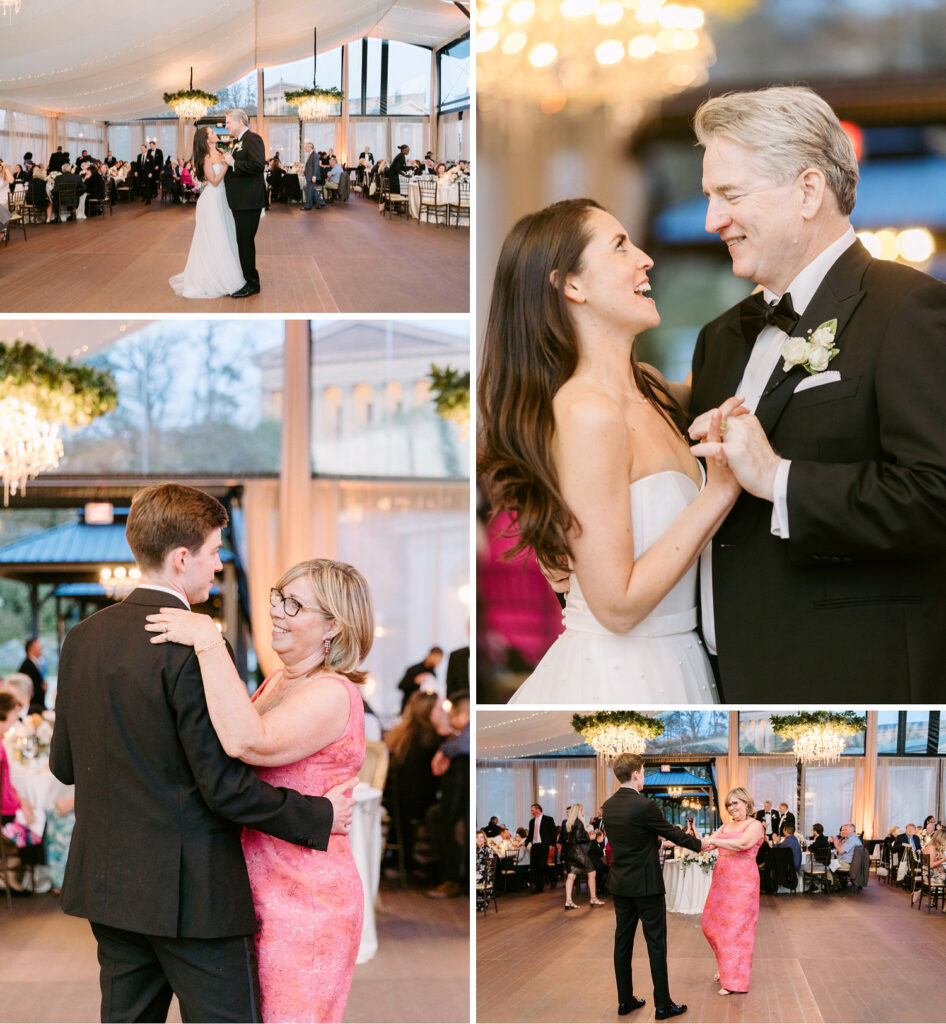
x=326 y=647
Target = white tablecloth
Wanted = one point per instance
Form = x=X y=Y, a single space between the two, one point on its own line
x=686 y=890
x=365 y=837
x=445 y=194
x=35 y=783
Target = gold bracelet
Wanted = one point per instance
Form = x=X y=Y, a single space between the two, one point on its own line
x=217 y=643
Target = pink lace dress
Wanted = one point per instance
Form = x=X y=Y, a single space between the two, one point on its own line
x=732 y=911
x=309 y=903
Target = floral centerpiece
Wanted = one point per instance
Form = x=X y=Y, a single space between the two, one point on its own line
x=706 y=861
x=454 y=175
x=30 y=738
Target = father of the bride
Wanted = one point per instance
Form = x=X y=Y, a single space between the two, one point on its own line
x=155 y=862
x=246 y=194
x=828 y=577
x=634 y=826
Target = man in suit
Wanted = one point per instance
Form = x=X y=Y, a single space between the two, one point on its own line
x=246 y=194
x=145 y=172
x=156 y=863
x=828 y=577
x=65 y=178
x=770 y=820
x=312 y=177
x=33 y=668
x=458 y=671
x=634 y=826
x=57 y=160
x=157 y=162
x=908 y=838
x=541 y=837
x=417 y=675
x=785 y=816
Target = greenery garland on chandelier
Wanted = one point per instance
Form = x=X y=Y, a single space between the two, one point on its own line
x=617 y=732
x=63 y=393
x=315 y=92
x=818 y=737
x=210 y=99
x=451 y=390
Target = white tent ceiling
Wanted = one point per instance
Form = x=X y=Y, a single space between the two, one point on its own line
x=69 y=338
x=112 y=60
x=507 y=733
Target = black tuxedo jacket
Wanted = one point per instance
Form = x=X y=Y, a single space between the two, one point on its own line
x=853 y=604
x=38 y=700
x=244 y=181
x=68 y=178
x=776 y=821
x=787 y=819
x=546 y=830
x=56 y=161
x=157 y=157
x=145 y=165
x=156 y=847
x=458 y=671
x=634 y=826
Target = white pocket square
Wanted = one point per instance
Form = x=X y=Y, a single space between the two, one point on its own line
x=816 y=380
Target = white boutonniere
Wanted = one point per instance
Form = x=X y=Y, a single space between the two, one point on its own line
x=814 y=352
x=236 y=146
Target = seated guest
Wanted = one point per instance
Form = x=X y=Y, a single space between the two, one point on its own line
x=818 y=840
x=21 y=686
x=936 y=848
x=484 y=870
x=6 y=180
x=463 y=167
x=94 y=187
x=493 y=828
x=929 y=826
x=187 y=181
x=790 y=840
x=10 y=801
x=110 y=159
x=60 y=824
x=28 y=163
x=844 y=845
x=67 y=177
x=20 y=174
x=36 y=190
x=367 y=156
x=441 y=172
x=909 y=838
x=333 y=175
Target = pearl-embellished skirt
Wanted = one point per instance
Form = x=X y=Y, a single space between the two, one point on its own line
x=613 y=669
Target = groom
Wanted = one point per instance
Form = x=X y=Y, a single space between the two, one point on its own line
x=634 y=824
x=155 y=862
x=828 y=578
x=246 y=194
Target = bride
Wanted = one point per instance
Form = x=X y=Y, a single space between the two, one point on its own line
x=584 y=446
x=213 y=263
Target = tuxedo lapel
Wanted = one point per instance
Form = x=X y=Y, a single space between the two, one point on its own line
x=838 y=295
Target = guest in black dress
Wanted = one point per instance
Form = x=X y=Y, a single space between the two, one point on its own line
x=577 y=857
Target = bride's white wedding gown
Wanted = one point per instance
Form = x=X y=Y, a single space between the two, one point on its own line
x=213 y=263
x=662 y=660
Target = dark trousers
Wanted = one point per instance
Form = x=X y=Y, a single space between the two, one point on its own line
x=247 y=221
x=213 y=979
x=651 y=911
x=539 y=865
x=311 y=193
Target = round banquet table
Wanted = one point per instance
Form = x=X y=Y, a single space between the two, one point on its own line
x=365 y=839
x=445 y=194
x=686 y=890
x=36 y=783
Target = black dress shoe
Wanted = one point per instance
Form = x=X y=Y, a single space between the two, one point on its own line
x=634 y=1004
x=247 y=289
x=673 y=1010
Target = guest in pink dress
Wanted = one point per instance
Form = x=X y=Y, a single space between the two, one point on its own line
x=304 y=728
x=732 y=906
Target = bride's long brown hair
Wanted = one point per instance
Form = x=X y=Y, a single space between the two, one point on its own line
x=201 y=149
x=530 y=349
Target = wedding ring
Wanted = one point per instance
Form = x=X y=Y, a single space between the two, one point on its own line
x=723 y=428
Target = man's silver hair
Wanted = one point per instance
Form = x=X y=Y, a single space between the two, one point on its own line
x=791 y=128
x=239 y=114
x=308 y=143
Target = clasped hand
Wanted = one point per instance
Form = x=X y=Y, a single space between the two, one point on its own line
x=741 y=445
x=706 y=845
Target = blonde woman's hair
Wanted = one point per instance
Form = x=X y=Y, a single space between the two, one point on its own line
x=938 y=839
x=342 y=593
x=790 y=128
x=575 y=812
x=741 y=794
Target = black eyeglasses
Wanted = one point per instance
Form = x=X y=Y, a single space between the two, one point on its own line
x=290 y=605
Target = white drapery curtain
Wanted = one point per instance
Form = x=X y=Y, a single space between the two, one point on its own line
x=453 y=136
x=23 y=133
x=562 y=781
x=504 y=789
x=906 y=791
x=768 y=778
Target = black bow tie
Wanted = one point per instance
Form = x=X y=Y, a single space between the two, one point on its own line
x=755 y=314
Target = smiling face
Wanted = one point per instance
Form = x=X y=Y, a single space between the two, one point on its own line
x=234 y=125
x=300 y=636
x=737 y=809
x=612 y=284
x=759 y=220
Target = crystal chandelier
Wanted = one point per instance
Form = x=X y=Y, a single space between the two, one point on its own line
x=10 y=7
x=611 y=740
x=189 y=108
x=190 y=103
x=28 y=445
x=316 y=108
x=625 y=54
x=119 y=582
x=819 y=744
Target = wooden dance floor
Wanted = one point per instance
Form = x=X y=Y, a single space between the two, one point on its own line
x=343 y=259
x=49 y=970
x=840 y=957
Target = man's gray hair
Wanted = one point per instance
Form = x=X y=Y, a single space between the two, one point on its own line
x=239 y=114
x=309 y=145
x=791 y=128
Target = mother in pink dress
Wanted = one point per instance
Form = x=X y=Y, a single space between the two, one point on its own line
x=303 y=728
x=732 y=906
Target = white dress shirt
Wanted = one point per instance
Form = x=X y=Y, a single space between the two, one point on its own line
x=766 y=353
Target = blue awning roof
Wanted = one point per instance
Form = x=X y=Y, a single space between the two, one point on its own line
x=890 y=194
x=675 y=777
x=75 y=544
x=94 y=590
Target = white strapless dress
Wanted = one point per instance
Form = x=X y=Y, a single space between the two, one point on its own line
x=213 y=263
x=662 y=660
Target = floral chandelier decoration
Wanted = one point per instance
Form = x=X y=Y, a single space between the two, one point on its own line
x=39 y=395
x=9 y=8
x=452 y=395
x=819 y=736
x=314 y=102
x=190 y=103
x=625 y=54
x=612 y=733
